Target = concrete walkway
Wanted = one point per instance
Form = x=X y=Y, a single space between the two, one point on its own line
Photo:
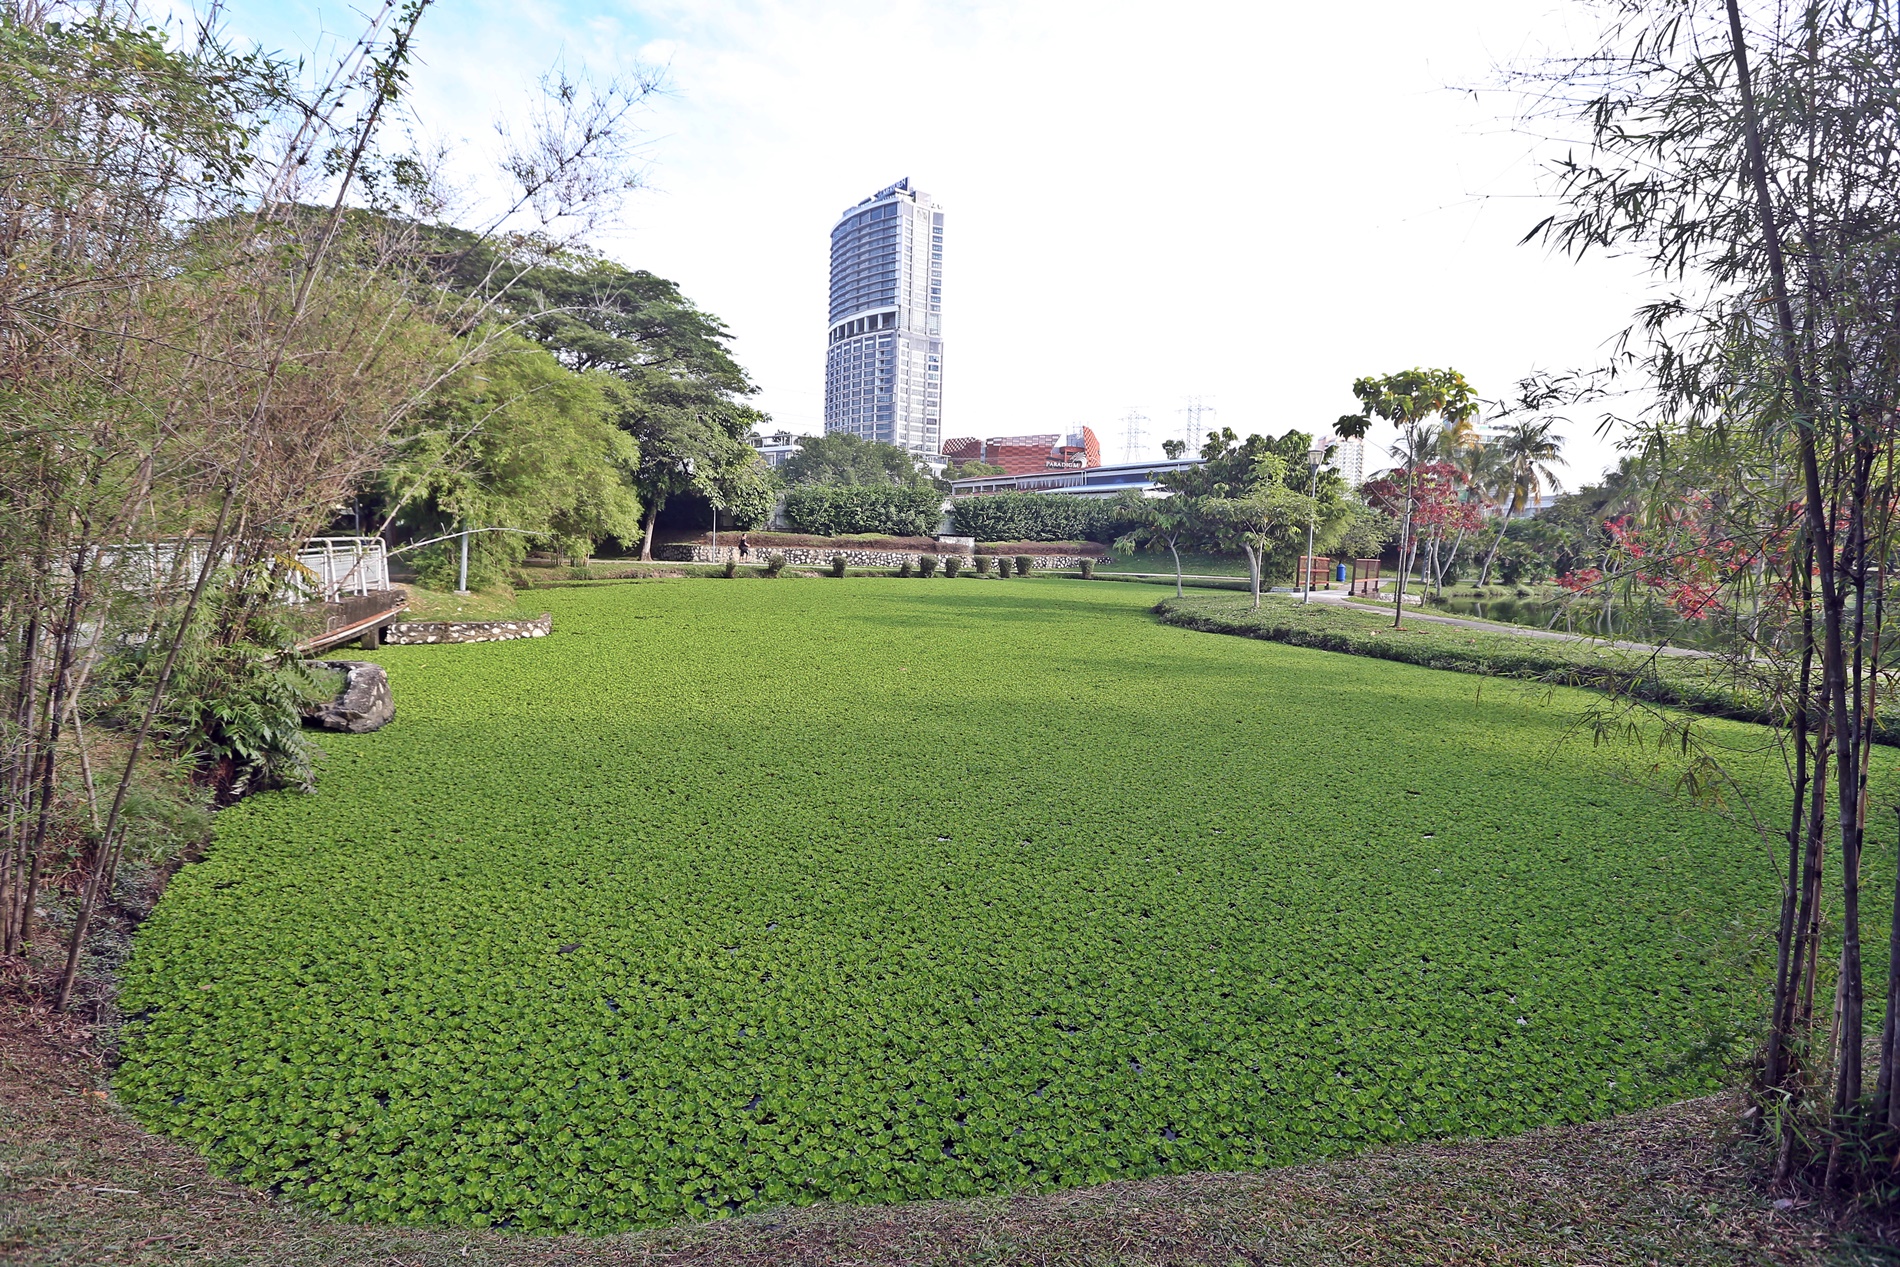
x=1339 y=599
x=1522 y=631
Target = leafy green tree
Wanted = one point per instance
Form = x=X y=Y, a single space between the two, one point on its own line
x=842 y=458
x=519 y=443
x=1243 y=498
x=1527 y=458
x=680 y=394
x=970 y=471
x=1158 y=521
x=1408 y=400
x=1365 y=533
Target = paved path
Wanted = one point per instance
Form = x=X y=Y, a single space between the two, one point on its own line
x=1338 y=598
x=1521 y=631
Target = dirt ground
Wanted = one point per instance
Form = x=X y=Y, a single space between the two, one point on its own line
x=80 y=1182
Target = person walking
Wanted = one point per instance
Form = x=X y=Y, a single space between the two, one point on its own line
x=745 y=546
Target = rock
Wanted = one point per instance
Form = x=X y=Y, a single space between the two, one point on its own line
x=362 y=704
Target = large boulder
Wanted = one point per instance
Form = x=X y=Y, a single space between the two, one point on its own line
x=363 y=702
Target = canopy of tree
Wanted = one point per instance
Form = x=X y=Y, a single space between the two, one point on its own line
x=842 y=458
x=1257 y=497
x=677 y=391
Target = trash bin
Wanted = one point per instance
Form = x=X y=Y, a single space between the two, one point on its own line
x=1339 y=571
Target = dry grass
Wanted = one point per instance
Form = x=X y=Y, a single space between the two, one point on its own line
x=80 y=1182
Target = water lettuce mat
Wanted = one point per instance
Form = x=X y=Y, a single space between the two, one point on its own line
x=732 y=894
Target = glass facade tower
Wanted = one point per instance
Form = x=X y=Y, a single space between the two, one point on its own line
x=884 y=352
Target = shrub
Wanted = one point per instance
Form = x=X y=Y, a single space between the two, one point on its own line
x=982 y=565
x=927 y=564
x=1088 y=569
x=1519 y=563
x=837 y=565
x=952 y=564
x=1002 y=567
x=729 y=568
x=1039 y=517
x=903 y=569
x=1023 y=563
x=835 y=510
x=774 y=564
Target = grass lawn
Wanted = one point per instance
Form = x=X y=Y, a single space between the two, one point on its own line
x=499 y=604
x=727 y=896
x=1718 y=687
x=1192 y=564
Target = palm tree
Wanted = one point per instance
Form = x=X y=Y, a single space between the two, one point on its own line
x=1528 y=455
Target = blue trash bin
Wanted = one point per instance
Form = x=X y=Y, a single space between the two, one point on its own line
x=1339 y=572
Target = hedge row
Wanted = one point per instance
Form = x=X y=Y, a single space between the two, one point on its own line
x=1037 y=517
x=836 y=510
x=1699 y=684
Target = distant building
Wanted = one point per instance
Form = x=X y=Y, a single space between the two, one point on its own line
x=1349 y=459
x=1024 y=455
x=884 y=349
x=1091 y=481
x=777 y=448
x=1489 y=431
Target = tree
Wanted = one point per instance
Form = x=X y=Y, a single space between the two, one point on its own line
x=970 y=471
x=680 y=394
x=1528 y=455
x=1158 y=521
x=1746 y=152
x=1440 y=505
x=842 y=458
x=1249 y=497
x=525 y=444
x=1407 y=400
x=216 y=318
x=1366 y=532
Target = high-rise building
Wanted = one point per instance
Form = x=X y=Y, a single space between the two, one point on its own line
x=884 y=354
x=1349 y=458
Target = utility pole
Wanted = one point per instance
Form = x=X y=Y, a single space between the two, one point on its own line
x=461 y=575
x=1134 y=435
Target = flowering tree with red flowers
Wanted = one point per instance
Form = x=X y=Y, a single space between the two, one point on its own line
x=1440 y=508
x=1696 y=556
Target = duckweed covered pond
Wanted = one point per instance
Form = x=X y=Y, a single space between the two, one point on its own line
x=729 y=895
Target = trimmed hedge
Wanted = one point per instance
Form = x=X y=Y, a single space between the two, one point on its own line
x=1699 y=684
x=1037 y=517
x=836 y=510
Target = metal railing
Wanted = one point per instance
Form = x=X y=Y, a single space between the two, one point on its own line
x=330 y=567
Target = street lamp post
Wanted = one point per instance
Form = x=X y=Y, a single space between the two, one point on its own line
x=1314 y=456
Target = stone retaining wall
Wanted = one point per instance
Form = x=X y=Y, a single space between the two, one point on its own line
x=818 y=557
x=797 y=556
x=1063 y=562
x=411 y=632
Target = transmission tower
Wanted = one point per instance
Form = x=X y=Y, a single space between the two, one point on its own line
x=1134 y=435
x=1197 y=412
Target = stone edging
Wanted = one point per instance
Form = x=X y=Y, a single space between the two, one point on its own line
x=413 y=632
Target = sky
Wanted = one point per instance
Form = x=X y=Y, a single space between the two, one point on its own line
x=1248 y=204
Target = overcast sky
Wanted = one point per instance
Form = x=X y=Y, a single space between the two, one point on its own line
x=1253 y=204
